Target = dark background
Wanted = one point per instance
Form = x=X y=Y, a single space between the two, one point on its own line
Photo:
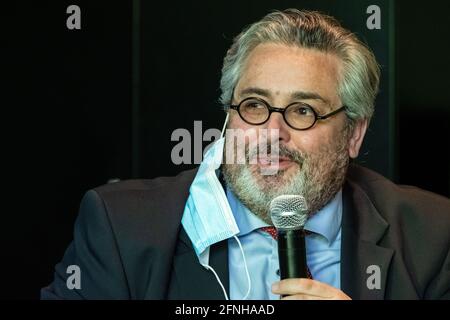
x=81 y=107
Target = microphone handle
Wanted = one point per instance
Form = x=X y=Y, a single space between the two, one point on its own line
x=292 y=254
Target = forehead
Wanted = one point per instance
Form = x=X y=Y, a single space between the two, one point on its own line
x=284 y=69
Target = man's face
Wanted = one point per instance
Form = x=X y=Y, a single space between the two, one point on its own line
x=311 y=162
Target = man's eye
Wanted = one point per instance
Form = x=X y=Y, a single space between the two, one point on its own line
x=305 y=111
x=255 y=105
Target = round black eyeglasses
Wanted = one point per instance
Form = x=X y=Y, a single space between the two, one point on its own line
x=298 y=115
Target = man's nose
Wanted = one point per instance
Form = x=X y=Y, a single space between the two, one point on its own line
x=276 y=122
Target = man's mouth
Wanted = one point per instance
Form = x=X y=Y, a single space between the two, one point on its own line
x=281 y=163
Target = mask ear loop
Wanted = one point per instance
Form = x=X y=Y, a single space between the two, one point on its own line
x=249 y=282
x=225 y=125
x=249 y=288
x=218 y=280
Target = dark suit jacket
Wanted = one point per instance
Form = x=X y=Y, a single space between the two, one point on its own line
x=129 y=243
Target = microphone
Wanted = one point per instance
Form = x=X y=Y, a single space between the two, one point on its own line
x=289 y=215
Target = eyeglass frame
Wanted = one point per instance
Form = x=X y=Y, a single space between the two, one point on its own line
x=271 y=110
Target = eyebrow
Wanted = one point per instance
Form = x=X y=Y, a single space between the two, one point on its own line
x=296 y=95
x=304 y=95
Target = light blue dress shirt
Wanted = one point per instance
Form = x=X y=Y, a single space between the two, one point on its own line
x=323 y=250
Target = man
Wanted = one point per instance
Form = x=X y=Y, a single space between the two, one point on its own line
x=205 y=234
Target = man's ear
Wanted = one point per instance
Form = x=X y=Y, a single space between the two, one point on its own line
x=357 y=137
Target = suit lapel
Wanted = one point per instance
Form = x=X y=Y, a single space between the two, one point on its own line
x=362 y=260
x=192 y=281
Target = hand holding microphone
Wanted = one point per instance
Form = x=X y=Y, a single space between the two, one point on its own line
x=289 y=214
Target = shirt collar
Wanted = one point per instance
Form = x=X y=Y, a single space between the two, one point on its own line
x=326 y=222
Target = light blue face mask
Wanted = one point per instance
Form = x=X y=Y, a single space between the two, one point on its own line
x=207 y=217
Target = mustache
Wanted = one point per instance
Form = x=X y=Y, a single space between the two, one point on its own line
x=283 y=151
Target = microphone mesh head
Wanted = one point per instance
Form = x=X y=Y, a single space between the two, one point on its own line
x=288 y=212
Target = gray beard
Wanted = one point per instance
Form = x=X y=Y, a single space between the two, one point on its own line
x=318 y=178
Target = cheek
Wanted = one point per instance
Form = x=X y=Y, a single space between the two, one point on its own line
x=239 y=126
x=235 y=122
x=306 y=142
x=315 y=140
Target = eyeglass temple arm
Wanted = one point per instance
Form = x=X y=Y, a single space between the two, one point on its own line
x=332 y=113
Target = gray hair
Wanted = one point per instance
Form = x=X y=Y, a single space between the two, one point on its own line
x=358 y=85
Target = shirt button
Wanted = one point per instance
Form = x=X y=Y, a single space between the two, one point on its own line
x=278 y=272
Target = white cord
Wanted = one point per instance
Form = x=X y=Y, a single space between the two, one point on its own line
x=246 y=269
x=224 y=125
x=218 y=280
